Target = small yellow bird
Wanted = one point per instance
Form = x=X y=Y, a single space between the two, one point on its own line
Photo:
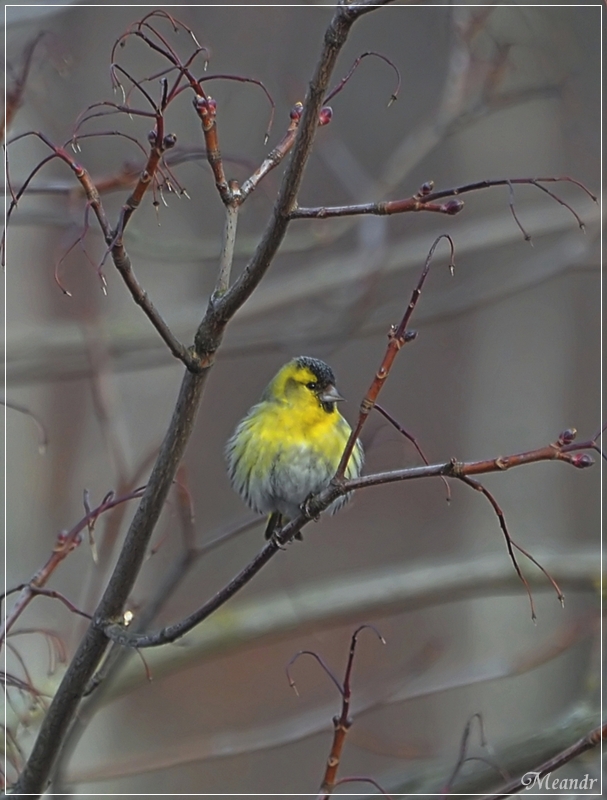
x=289 y=445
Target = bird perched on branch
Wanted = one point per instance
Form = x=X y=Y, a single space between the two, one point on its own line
x=289 y=445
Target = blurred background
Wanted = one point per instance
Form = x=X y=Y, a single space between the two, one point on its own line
x=507 y=356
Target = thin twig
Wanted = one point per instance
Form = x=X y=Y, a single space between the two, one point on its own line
x=353 y=68
x=397 y=337
x=408 y=435
x=42 y=434
x=227 y=249
x=65 y=544
x=382 y=208
x=426 y=201
x=342 y=722
x=464 y=758
x=276 y=155
x=474 y=484
x=114 y=239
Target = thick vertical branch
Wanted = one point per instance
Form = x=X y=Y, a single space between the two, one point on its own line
x=34 y=778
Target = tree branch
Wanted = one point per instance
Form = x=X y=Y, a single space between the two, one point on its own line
x=118 y=633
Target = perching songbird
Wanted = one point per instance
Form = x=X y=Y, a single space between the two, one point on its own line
x=289 y=445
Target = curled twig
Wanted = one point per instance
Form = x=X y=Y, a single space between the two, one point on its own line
x=352 y=70
x=463 y=756
x=42 y=433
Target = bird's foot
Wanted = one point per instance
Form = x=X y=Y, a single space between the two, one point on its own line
x=307 y=508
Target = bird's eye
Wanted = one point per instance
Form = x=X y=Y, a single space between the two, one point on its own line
x=312 y=386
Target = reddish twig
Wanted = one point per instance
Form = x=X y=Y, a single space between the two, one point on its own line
x=561 y=202
x=425 y=200
x=108 y=109
x=559 y=594
x=396 y=339
x=80 y=240
x=136 y=85
x=487 y=184
x=320 y=661
x=455 y=469
x=383 y=208
x=159 y=143
x=57 y=596
x=342 y=723
x=206 y=108
x=243 y=79
x=526 y=236
x=65 y=544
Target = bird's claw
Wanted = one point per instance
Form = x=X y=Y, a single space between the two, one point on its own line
x=307 y=511
x=274 y=538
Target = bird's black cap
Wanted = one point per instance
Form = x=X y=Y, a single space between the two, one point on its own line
x=323 y=372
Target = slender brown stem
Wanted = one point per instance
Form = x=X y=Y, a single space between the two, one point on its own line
x=342 y=722
x=397 y=338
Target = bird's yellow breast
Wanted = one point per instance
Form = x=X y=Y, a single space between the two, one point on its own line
x=300 y=425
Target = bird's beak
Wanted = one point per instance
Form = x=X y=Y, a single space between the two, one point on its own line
x=330 y=395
